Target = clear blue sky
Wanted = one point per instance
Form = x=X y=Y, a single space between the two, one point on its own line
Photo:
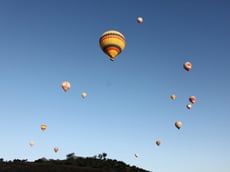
x=128 y=108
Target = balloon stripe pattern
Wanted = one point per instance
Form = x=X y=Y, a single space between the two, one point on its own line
x=112 y=43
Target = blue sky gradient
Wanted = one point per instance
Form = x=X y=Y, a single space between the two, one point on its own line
x=128 y=108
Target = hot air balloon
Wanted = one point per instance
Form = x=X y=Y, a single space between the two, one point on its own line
x=189 y=106
x=136 y=155
x=173 y=97
x=31 y=143
x=56 y=149
x=139 y=20
x=112 y=43
x=43 y=127
x=158 y=142
x=83 y=95
x=178 y=124
x=65 y=85
x=192 y=99
x=187 y=66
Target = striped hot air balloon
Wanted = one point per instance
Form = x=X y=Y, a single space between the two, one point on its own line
x=112 y=43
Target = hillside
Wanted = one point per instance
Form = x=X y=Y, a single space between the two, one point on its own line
x=72 y=164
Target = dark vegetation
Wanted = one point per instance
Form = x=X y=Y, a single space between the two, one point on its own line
x=72 y=163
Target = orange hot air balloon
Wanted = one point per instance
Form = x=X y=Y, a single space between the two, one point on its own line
x=187 y=66
x=189 y=106
x=173 y=97
x=65 y=85
x=178 y=124
x=158 y=142
x=56 y=149
x=43 y=127
x=192 y=99
x=83 y=95
x=112 y=43
x=31 y=143
x=139 y=20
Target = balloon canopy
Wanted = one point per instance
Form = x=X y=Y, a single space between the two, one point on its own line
x=112 y=43
x=158 y=142
x=192 y=99
x=65 y=85
x=139 y=20
x=187 y=66
x=83 y=95
x=178 y=124
x=173 y=96
x=43 y=127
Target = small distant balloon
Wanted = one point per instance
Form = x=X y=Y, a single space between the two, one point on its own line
x=139 y=20
x=192 y=99
x=178 y=124
x=173 y=96
x=65 y=85
x=83 y=95
x=158 y=142
x=189 y=106
x=43 y=127
x=31 y=143
x=187 y=66
x=56 y=149
x=136 y=155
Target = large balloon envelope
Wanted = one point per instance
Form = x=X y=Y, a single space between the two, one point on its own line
x=178 y=124
x=112 y=43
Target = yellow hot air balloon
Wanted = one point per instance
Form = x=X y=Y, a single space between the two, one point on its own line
x=178 y=124
x=158 y=142
x=56 y=149
x=173 y=97
x=43 y=127
x=83 y=95
x=112 y=43
x=65 y=85
x=31 y=143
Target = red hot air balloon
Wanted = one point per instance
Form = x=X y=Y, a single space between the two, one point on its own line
x=187 y=66
x=192 y=99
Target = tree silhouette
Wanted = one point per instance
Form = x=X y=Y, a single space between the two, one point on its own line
x=104 y=155
x=70 y=156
